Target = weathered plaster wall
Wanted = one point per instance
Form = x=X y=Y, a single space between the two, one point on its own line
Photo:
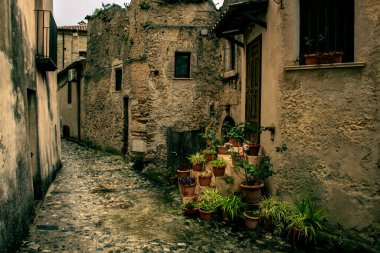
x=18 y=71
x=329 y=120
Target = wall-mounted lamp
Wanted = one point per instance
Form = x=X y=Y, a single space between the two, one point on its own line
x=280 y=2
x=204 y=31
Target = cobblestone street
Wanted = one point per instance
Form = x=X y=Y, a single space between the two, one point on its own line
x=98 y=204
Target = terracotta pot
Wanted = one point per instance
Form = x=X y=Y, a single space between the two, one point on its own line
x=190 y=212
x=251 y=193
x=218 y=171
x=183 y=173
x=331 y=57
x=197 y=166
x=204 y=180
x=209 y=157
x=188 y=190
x=251 y=222
x=311 y=59
x=235 y=158
x=206 y=216
x=253 y=149
x=222 y=150
x=234 y=142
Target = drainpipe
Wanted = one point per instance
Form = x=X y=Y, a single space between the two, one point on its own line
x=63 y=49
x=79 y=77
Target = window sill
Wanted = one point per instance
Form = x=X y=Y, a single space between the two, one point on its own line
x=182 y=78
x=326 y=66
x=229 y=74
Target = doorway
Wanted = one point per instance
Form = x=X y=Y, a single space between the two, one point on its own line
x=33 y=143
x=253 y=86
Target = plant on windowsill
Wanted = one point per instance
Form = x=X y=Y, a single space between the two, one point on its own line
x=218 y=167
x=316 y=58
x=197 y=161
x=254 y=177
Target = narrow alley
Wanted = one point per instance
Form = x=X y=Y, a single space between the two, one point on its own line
x=98 y=204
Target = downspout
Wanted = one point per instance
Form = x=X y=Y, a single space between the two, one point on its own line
x=63 y=49
x=79 y=77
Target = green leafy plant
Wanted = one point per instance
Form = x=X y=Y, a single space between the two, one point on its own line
x=209 y=200
x=192 y=204
x=219 y=162
x=187 y=180
x=211 y=138
x=258 y=173
x=144 y=5
x=197 y=158
x=240 y=131
x=254 y=213
x=232 y=205
x=307 y=221
x=276 y=211
x=209 y=151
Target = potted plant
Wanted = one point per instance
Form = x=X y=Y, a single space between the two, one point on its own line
x=307 y=222
x=237 y=134
x=251 y=149
x=231 y=206
x=222 y=149
x=209 y=154
x=235 y=156
x=183 y=173
x=251 y=219
x=204 y=178
x=191 y=207
x=320 y=56
x=275 y=213
x=197 y=161
x=254 y=177
x=209 y=201
x=218 y=167
x=210 y=138
x=187 y=185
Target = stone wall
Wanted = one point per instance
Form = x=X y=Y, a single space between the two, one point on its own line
x=145 y=50
x=70 y=43
x=29 y=130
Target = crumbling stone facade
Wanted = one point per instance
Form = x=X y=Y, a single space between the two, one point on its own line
x=29 y=125
x=143 y=43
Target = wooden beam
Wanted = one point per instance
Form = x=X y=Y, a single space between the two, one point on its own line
x=233 y=40
x=257 y=21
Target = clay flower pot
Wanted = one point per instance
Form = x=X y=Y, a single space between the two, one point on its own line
x=204 y=180
x=183 y=173
x=222 y=150
x=251 y=222
x=197 y=166
x=188 y=190
x=252 y=149
x=234 y=142
x=190 y=212
x=209 y=157
x=251 y=193
x=206 y=216
x=218 y=171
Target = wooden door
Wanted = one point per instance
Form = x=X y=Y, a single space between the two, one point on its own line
x=253 y=86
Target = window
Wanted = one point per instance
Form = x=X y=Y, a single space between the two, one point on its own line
x=182 y=65
x=118 y=79
x=327 y=26
x=82 y=54
x=229 y=56
x=69 y=93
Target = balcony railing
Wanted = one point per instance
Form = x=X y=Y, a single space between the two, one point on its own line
x=46 y=56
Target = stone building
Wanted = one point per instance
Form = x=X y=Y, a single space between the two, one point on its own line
x=29 y=126
x=152 y=77
x=72 y=51
x=326 y=113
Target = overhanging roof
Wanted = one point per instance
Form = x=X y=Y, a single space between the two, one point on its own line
x=238 y=16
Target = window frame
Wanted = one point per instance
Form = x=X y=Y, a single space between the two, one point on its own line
x=327 y=26
x=181 y=74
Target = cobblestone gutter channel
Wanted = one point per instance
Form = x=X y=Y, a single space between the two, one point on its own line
x=99 y=204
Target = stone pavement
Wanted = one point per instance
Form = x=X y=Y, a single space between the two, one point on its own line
x=98 y=204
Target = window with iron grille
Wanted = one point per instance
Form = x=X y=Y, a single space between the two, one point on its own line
x=69 y=93
x=327 y=26
x=118 y=79
x=182 y=65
